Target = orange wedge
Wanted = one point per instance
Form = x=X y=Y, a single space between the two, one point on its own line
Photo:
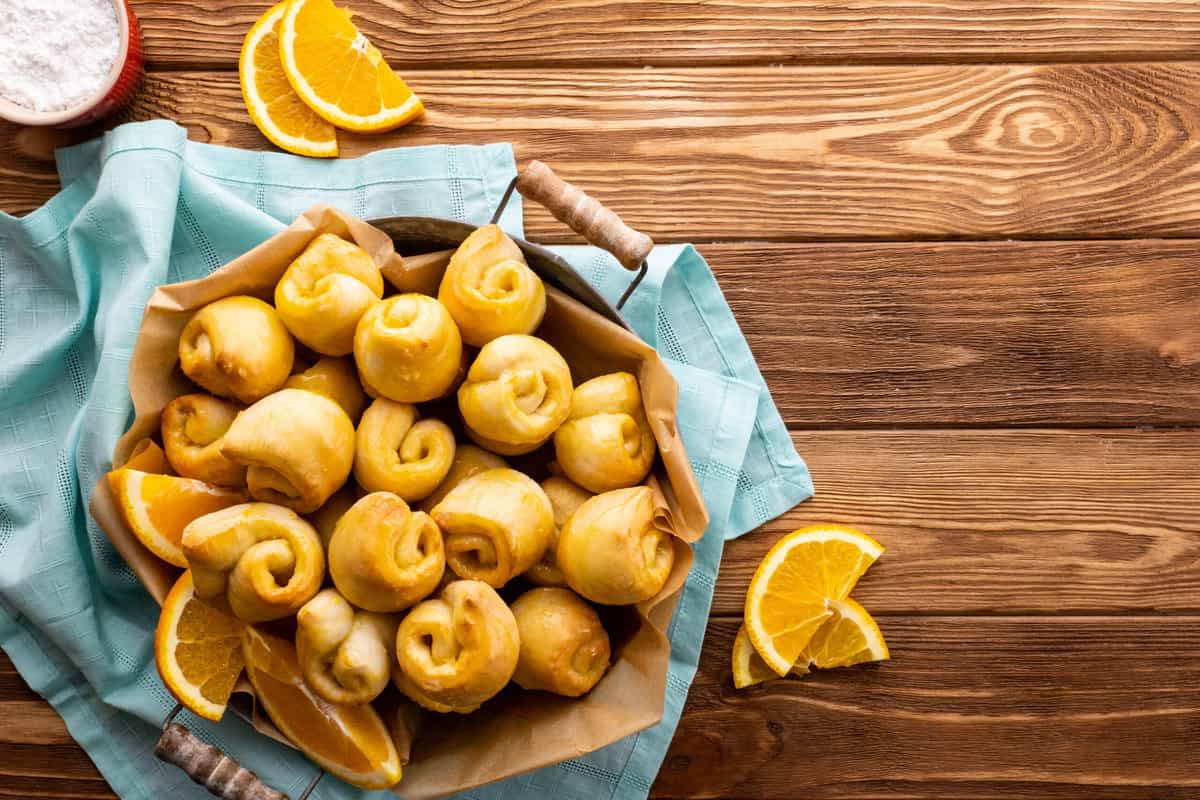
x=198 y=650
x=350 y=741
x=338 y=73
x=147 y=456
x=273 y=105
x=792 y=589
x=847 y=638
x=158 y=507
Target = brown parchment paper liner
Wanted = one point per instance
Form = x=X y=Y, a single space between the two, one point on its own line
x=517 y=731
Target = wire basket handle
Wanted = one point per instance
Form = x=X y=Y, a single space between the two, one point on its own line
x=212 y=769
x=583 y=214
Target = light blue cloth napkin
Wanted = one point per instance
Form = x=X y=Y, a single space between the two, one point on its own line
x=143 y=207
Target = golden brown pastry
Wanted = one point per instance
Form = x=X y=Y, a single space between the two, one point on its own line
x=325 y=518
x=496 y=525
x=325 y=292
x=457 y=650
x=385 y=557
x=564 y=498
x=336 y=379
x=490 y=290
x=345 y=654
x=264 y=558
x=192 y=427
x=395 y=452
x=611 y=552
x=468 y=460
x=237 y=347
x=298 y=446
x=606 y=442
x=516 y=394
x=564 y=648
x=408 y=349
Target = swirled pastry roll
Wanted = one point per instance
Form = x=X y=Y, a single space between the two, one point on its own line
x=345 y=654
x=237 y=347
x=298 y=447
x=468 y=460
x=606 y=442
x=564 y=648
x=395 y=452
x=490 y=290
x=496 y=525
x=336 y=379
x=408 y=349
x=516 y=394
x=192 y=428
x=383 y=556
x=325 y=292
x=611 y=552
x=264 y=558
x=564 y=498
x=458 y=650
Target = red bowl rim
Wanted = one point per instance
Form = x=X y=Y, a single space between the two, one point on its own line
x=27 y=116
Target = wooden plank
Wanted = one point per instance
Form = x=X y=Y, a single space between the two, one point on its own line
x=49 y=771
x=991 y=709
x=590 y=33
x=792 y=153
x=972 y=334
x=1003 y=521
x=981 y=707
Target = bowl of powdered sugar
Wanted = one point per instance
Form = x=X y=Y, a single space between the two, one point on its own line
x=67 y=62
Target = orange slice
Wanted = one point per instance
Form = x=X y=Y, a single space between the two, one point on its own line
x=792 y=589
x=198 y=650
x=748 y=666
x=273 y=105
x=147 y=456
x=351 y=741
x=849 y=637
x=158 y=507
x=338 y=73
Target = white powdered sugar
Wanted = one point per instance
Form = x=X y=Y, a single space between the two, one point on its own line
x=54 y=54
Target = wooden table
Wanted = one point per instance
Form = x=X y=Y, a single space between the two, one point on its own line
x=963 y=240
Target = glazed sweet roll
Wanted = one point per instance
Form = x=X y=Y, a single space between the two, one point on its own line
x=516 y=394
x=336 y=379
x=496 y=525
x=490 y=290
x=564 y=498
x=264 y=558
x=468 y=460
x=564 y=648
x=408 y=349
x=325 y=292
x=395 y=452
x=606 y=442
x=612 y=550
x=298 y=447
x=193 y=426
x=237 y=347
x=458 y=650
x=383 y=556
x=345 y=654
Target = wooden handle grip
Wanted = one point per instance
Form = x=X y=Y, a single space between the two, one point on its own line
x=211 y=768
x=585 y=215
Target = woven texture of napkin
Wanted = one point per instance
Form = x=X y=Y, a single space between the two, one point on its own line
x=143 y=207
